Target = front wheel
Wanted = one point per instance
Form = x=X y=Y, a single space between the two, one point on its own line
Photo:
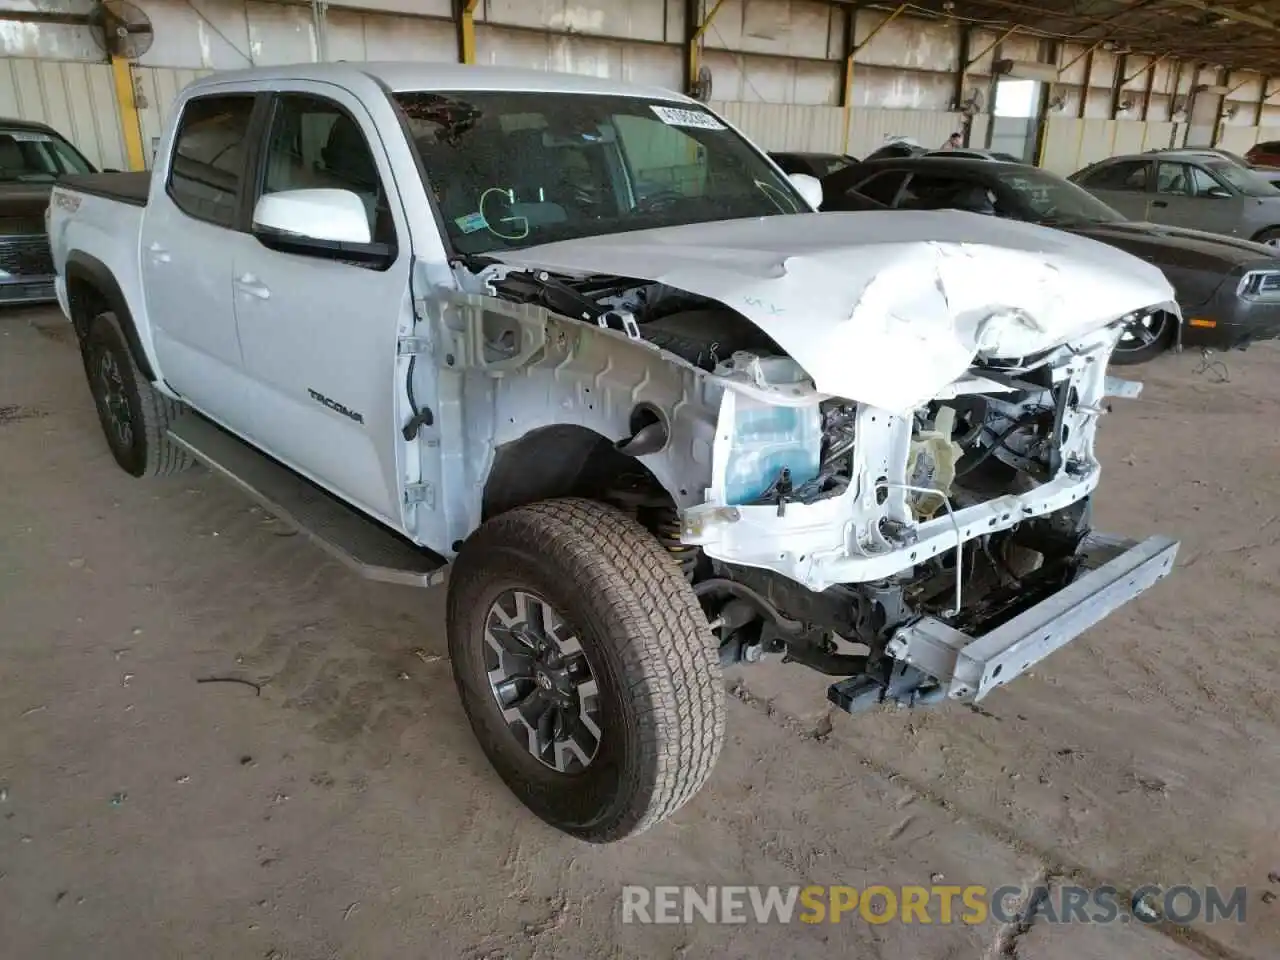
x=586 y=667
x=1269 y=237
x=1145 y=339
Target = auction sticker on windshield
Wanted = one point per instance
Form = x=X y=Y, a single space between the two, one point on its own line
x=675 y=117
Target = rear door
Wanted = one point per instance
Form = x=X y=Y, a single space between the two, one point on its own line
x=319 y=334
x=1123 y=185
x=189 y=234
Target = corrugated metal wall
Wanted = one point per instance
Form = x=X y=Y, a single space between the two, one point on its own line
x=870 y=128
x=76 y=99
x=156 y=88
x=1240 y=139
x=777 y=126
x=1071 y=144
x=776 y=67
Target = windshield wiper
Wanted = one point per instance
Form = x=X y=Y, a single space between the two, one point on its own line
x=1064 y=221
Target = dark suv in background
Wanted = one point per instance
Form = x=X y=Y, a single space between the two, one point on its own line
x=32 y=158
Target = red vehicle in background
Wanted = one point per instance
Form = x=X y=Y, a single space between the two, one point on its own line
x=1265 y=154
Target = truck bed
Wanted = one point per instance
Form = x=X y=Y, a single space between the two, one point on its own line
x=130 y=188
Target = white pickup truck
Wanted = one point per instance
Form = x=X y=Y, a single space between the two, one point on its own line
x=588 y=343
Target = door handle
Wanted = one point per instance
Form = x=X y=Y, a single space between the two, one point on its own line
x=1159 y=203
x=158 y=253
x=248 y=284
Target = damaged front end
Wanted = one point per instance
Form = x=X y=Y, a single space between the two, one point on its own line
x=919 y=527
x=951 y=544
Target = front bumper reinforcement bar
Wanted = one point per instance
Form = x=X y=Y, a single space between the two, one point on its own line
x=967 y=668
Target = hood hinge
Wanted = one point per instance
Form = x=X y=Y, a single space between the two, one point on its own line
x=416 y=493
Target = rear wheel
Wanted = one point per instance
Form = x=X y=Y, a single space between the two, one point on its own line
x=586 y=667
x=1145 y=339
x=135 y=417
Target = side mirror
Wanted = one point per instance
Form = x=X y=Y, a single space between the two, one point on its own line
x=333 y=224
x=808 y=187
x=332 y=216
x=1218 y=193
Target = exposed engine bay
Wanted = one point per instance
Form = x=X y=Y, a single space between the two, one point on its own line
x=827 y=525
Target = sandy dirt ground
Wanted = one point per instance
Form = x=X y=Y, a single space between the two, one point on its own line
x=347 y=811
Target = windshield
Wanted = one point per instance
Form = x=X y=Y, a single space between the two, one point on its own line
x=35 y=156
x=1045 y=198
x=1242 y=178
x=515 y=169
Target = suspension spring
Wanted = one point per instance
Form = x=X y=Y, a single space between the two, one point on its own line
x=666 y=527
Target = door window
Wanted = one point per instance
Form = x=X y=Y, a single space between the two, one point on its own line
x=207 y=169
x=1173 y=178
x=315 y=144
x=1129 y=175
x=1202 y=183
x=882 y=187
x=932 y=192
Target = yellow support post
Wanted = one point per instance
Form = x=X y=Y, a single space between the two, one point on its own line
x=467 y=31
x=695 y=38
x=1088 y=51
x=991 y=46
x=130 y=122
x=846 y=97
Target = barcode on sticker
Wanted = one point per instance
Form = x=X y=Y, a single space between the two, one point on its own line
x=676 y=117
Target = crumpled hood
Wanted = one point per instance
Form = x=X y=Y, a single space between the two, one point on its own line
x=882 y=308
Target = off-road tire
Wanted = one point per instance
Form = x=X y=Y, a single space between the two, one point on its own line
x=648 y=645
x=150 y=453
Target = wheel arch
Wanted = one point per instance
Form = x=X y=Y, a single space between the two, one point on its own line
x=561 y=460
x=92 y=288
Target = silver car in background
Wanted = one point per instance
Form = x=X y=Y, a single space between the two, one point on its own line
x=1199 y=191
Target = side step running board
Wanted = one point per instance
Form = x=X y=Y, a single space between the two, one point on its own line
x=360 y=542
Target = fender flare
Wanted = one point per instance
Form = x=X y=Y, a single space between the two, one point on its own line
x=84 y=268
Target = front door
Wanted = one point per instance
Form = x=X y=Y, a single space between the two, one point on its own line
x=1122 y=185
x=1173 y=202
x=319 y=334
x=1208 y=204
x=189 y=234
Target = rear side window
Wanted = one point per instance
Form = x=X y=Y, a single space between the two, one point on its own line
x=207 y=172
x=1126 y=175
x=882 y=187
x=1271 y=146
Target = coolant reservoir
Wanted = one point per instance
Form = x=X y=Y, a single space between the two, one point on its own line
x=764 y=438
x=931 y=462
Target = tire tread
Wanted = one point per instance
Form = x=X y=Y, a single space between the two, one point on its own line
x=163 y=457
x=670 y=666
